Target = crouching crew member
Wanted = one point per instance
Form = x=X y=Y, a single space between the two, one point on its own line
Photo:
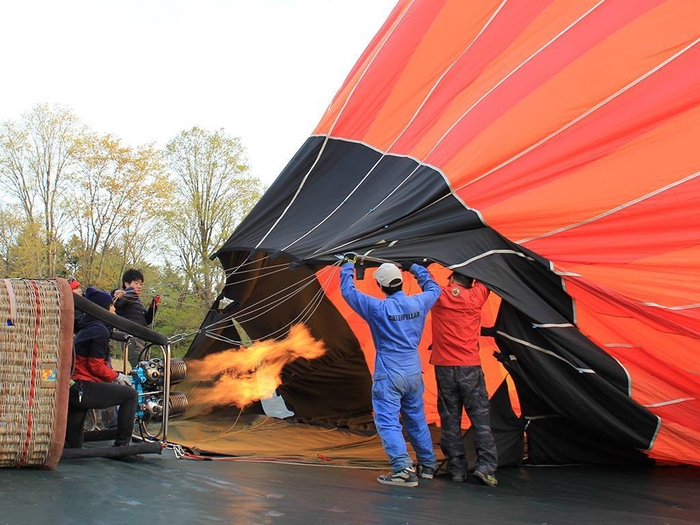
x=95 y=384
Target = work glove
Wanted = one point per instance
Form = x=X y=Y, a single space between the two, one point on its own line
x=117 y=335
x=350 y=257
x=488 y=331
x=123 y=379
x=406 y=265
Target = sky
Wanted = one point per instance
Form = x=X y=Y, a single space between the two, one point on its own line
x=144 y=70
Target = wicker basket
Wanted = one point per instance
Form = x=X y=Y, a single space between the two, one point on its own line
x=36 y=335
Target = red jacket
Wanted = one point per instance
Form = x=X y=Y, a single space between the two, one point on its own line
x=92 y=353
x=457 y=324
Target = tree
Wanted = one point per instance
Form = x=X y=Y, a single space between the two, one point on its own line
x=180 y=311
x=214 y=191
x=12 y=223
x=26 y=254
x=117 y=195
x=36 y=155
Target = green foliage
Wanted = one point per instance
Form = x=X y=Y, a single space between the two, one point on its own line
x=179 y=311
x=36 y=157
x=83 y=204
x=212 y=193
x=11 y=224
x=28 y=254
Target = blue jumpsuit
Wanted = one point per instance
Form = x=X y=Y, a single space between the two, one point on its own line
x=396 y=324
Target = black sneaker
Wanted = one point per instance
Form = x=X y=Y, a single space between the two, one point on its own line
x=406 y=477
x=486 y=479
x=459 y=478
x=426 y=472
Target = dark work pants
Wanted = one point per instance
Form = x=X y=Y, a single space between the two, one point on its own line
x=135 y=348
x=100 y=395
x=464 y=386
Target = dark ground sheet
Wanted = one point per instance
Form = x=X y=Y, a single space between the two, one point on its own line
x=161 y=489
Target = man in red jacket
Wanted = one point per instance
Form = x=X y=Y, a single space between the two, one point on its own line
x=94 y=383
x=456 y=326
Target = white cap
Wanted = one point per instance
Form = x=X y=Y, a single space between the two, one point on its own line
x=388 y=275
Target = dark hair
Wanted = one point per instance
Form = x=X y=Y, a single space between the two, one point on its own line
x=131 y=275
x=391 y=290
x=462 y=280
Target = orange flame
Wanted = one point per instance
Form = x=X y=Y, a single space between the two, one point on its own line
x=244 y=375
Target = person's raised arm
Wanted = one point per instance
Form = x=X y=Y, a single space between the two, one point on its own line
x=358 y=301
x=152 y=310
x=425 y=280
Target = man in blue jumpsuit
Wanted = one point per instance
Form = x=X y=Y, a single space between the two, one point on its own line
x=396 y=324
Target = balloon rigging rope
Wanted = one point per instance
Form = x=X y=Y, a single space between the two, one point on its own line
x=228 y=273
x=265 y=306
x=306 y=313
x=248 y=263
x=303 y=317
x=283 y=266
x=256 y=307
x=252 y=308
